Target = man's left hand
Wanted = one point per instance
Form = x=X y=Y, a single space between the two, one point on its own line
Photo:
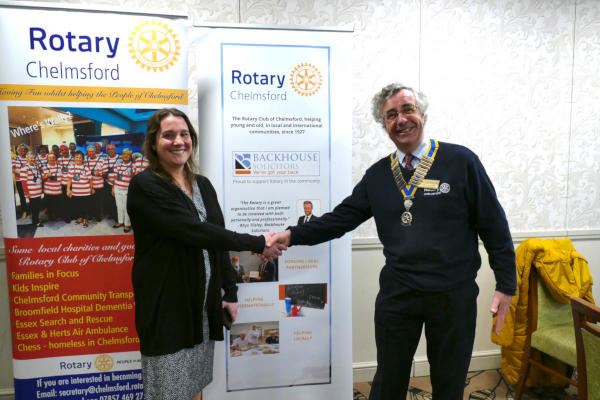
x=499 y=309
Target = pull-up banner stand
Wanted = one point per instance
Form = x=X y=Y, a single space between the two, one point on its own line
x=76 y=78
x=276 y=135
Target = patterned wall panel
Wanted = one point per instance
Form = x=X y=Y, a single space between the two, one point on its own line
x=499 y=78
x=583 y=209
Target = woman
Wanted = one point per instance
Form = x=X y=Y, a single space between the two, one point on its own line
x=123 y=174
x=80 y=189
x=31 y=178
x=180 y=263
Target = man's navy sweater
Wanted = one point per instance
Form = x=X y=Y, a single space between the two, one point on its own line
x=439 y=251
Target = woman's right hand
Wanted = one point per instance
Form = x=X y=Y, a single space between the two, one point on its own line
x=232 y=308
x=282 y=238
x=274 y=250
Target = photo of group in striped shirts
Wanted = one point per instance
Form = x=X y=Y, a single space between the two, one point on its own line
x=72 y=166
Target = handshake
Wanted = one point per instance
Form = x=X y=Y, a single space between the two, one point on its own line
x=275 y=243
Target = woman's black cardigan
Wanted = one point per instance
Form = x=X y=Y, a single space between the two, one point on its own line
x=168 y=268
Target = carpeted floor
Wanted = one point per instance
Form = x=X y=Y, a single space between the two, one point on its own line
x=480 y=385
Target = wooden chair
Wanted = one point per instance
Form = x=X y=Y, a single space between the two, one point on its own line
x=586 y=317
x=550 y=332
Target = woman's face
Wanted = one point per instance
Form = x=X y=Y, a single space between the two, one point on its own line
x=126 y=156
x=30 y=159
x=78 y=159
x=173 y=144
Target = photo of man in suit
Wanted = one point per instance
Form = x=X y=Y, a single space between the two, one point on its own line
x=308 y=215
x=249 y=268
x=267 y=272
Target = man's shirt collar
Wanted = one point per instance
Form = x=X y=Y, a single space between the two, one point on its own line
x=419 y=152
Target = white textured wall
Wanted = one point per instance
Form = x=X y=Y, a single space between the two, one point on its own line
x=515 y=80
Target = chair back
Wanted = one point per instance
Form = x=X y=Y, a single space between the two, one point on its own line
x=586 y=317
x=550 y=311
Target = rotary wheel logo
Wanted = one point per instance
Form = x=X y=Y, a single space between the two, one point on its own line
x=445 y=187
x=104 y=363
x=306 y=79
x=154 y=45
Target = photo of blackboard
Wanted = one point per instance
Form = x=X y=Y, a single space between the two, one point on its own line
x=311 y=295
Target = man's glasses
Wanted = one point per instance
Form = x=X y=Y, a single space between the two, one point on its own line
x=406 y=109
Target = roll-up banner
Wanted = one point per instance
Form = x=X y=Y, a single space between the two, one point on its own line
x=76 y=90
x=275 y=122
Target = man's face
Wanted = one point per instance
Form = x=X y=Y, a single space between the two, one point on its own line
x=64 y=151
x=112 y=150
x=308 y=209
x=98 y=147
x=403 y=120
x=51 y=159
x=22 y=150
x=43 y=152
x=91 y=152
x=72 y=148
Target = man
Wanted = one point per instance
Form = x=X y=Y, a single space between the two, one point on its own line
x=42 y=157
x=31 y=178
x=56 y=150
x=273 y=338
x=98 y=169
x=52 y=176
x=308 y=215
x=65 y=162
x=239 y=270
x=18 y=162
x=111 y=160
x=72 y=149
x=240 y=342
x=123 y=173
x=99 y=152
x=267 y=272
x=140 y=163
x=253 y=335
x=429 y=234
